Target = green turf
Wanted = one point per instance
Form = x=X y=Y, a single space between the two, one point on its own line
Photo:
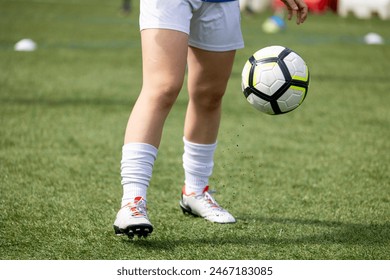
x=311 y=184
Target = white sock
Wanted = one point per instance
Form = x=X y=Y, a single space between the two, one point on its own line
x=136 y=169
x=198 y=165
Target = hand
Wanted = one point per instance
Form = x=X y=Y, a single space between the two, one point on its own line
x=297 y=7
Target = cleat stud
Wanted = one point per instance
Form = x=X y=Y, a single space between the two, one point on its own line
x=130 y=234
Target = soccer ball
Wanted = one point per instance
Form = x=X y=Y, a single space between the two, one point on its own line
x=275 y=80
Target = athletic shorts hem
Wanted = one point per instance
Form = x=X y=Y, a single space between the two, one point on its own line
x=216 y=48
x=165 y=26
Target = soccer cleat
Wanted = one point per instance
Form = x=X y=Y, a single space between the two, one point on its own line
x=132 y=219
x=205 y=206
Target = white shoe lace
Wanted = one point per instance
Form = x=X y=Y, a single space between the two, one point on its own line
x=209 y=202
x=138 y=208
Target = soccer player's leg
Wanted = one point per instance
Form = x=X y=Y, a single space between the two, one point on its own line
x=208 y=74
x=164 y=54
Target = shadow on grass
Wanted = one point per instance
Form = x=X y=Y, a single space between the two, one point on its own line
x=74 y=101
x=331 y=233
x=66 y=102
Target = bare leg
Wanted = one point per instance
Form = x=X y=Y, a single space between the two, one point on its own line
x=208 y=75
x=164 y=60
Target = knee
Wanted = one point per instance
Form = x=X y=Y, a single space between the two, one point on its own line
x=208 y=99
x=163 y=94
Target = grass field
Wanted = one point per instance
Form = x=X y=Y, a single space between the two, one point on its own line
x=311 y=184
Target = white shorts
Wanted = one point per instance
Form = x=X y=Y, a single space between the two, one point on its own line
x=210 y=26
